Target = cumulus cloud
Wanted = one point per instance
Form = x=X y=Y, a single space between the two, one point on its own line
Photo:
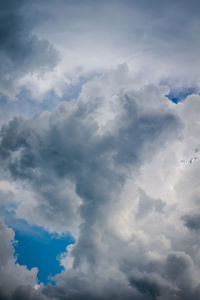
x=91 y=167
x=71 y=152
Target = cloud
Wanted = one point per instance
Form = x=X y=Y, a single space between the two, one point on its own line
x=146 y=205
x=152 y=286
x=159 y=42
x=71 y=153
x=192 y=221
x=21 y=52
x=118 y=166
x=175 y=280
x=12 y=275
x=107 y=167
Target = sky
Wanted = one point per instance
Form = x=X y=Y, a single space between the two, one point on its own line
x=99 y=150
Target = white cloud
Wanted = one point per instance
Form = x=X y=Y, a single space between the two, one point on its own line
x=12 y=274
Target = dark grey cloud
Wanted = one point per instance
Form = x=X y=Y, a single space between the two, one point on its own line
x=173 y=278
x=180 y=269
x=192 y=221
x=152 y=286
x=27 y=292
x=21 y=52
x=23 y=293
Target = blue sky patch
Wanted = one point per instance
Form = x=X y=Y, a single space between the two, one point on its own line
x=41 y=249
x=36 y=247
x=177 y=95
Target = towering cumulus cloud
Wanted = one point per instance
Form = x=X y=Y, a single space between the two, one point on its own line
x=114 y=163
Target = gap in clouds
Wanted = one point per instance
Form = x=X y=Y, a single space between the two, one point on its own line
x=177 y=95
x=41 y=251
x=36 y=247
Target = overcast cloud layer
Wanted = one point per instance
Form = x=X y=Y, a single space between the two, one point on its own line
x=106 y=156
